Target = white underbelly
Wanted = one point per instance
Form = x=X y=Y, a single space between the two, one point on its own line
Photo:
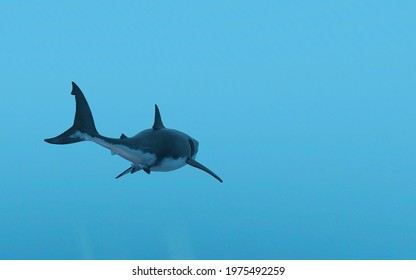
x=132 y=155
x=169 y=164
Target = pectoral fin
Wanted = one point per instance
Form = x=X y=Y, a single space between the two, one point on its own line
x=196 y=164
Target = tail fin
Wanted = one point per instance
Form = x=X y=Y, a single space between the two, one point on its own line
x=83 y=122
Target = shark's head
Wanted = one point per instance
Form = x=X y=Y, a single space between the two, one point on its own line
x=194 y=146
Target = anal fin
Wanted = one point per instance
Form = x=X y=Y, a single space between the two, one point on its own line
x=132 y=169
x=127 y=171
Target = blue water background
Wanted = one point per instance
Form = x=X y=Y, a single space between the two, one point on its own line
x=306 y=109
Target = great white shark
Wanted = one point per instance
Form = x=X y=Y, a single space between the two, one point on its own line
x=155 y=149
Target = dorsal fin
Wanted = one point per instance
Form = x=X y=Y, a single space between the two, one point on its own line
x=158 y=124
x=122 y=136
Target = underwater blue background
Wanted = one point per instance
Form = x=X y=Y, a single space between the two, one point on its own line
x=306 y=109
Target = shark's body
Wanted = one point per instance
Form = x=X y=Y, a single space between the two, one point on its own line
x=155 y=149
